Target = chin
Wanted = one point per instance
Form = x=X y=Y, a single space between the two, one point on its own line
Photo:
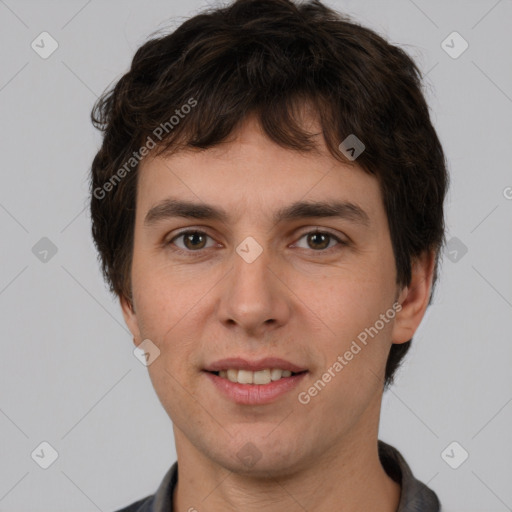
x=259 y=457
x=266 y=468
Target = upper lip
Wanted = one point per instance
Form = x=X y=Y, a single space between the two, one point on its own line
x=254 y=366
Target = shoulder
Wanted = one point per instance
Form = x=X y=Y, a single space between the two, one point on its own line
x=162 y=499
x=415 y=495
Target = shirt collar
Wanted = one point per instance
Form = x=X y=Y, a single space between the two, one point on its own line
x=415 y=496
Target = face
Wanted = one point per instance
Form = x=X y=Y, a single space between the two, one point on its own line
x=218 y=294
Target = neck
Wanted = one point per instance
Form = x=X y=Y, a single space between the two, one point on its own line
x=348 y=478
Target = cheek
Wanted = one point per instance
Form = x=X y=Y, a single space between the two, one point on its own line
x=163 y=297
x=350 y=303
x=352 y=328
x=170 y=303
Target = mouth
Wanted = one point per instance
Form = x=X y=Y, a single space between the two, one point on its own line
x=254 y=382
x=260 y=377
x=260 y=372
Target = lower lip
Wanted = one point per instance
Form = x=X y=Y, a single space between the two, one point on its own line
x=255 y=394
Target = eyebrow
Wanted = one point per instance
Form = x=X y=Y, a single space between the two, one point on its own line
x=171 y=208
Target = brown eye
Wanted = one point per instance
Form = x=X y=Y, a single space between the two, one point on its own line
x=321 y=240
x=195 y=241
x=192 y=241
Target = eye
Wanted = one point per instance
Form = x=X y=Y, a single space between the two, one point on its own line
x=320 y=240
x=193 y=240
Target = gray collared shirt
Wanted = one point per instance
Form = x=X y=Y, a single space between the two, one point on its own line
x=415 y=496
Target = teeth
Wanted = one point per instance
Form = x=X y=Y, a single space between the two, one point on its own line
x=276 y=374
x=260 y=377
x=245 y=376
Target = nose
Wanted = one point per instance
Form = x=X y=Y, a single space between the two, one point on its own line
x=254 y=297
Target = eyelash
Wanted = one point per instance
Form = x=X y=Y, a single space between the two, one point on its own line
x=187 y=252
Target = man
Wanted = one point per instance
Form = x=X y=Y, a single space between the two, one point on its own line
x=268 y=207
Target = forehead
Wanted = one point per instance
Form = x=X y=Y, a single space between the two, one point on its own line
x=252 y=175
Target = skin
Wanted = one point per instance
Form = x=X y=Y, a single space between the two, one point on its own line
x=302 y=300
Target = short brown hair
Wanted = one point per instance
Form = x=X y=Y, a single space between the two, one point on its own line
x=269 y=58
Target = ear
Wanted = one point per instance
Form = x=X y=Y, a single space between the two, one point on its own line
x=414 y=298
x=131 y=319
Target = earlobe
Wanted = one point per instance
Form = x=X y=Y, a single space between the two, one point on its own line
x=130 y=318
x=414 y=298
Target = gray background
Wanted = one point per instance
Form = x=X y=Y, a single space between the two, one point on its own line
x=68 y=374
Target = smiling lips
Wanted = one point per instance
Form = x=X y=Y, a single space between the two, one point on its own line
x=261 y=364
x=260 y=377
x=254 y=382
x=262 y=371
